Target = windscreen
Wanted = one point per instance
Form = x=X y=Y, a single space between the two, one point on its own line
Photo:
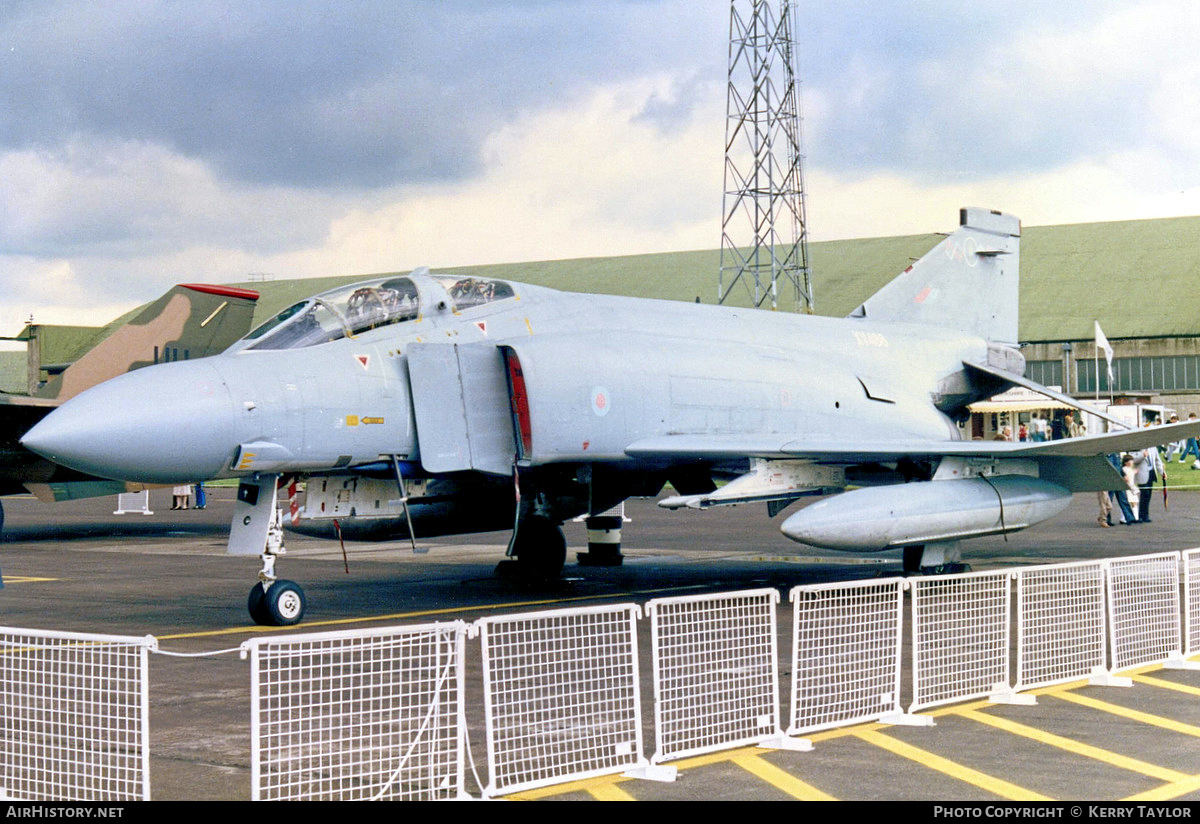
x=339 y=313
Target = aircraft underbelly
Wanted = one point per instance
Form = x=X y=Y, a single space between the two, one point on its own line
x=461 y=405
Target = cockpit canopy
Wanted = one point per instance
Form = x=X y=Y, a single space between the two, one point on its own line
x=351 y=310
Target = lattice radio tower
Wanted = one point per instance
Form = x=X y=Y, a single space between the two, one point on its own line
x=764 y=232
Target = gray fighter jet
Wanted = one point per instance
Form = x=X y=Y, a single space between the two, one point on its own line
x=453 y=404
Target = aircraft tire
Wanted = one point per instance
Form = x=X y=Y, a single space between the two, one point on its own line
x=541 y=549
x=284 y=604
x=912 y=558
x=254 y=605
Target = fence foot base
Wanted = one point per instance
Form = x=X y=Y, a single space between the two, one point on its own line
x=1003 y=694
x=653 y=772
x=1103 y=678
x=1178 y=662
x=785 y=742
x=907 y=719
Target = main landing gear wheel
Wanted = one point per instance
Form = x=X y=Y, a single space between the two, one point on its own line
x=281 y=605
x=912 y=559
x=541 y=549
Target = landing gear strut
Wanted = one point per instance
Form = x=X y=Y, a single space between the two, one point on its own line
x=275 y=602
x=944 y=558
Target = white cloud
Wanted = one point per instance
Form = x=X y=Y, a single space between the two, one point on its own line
x=1110 y=188
x=51 y=292
x=583 y=180
x=1091 y=116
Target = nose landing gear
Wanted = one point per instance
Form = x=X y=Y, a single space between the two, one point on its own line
x=257 y=529
x=274 y=602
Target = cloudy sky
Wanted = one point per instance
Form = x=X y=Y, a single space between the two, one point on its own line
x=147 y=143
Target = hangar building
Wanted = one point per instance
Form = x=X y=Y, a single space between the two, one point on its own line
x=1139 y=279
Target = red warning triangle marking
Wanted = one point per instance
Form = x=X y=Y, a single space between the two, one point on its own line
x=364 y=360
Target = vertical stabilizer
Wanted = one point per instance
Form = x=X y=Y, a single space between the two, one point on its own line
x=969 y=281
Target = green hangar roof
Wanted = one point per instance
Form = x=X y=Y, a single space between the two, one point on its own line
x=1139 y=278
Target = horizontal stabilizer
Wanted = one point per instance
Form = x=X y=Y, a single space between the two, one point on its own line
x=1020 y=380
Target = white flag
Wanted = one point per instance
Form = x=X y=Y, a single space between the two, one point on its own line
x=1102 y=343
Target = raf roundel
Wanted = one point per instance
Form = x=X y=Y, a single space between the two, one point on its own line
x=600 y=401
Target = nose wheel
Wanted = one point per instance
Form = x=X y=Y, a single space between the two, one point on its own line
x=276 y=604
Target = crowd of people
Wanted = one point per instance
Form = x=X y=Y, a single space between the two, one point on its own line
x=1141 y=469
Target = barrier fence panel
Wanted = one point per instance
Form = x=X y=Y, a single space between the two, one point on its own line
x=561 y=695
x=1144 y=618
x=1060 y=623
x=76 y=715
x=374 y=714
x=846 y=641
x=960 y=637
x=1191 y=599
x=715 y=664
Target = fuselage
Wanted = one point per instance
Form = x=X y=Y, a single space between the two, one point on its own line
x=330 y=386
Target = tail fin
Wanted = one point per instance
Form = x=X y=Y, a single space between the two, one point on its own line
x=191 y=321
x=970 y=281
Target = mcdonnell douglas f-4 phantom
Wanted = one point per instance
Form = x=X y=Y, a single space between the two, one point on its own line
x=435 y=398
x=190 y=321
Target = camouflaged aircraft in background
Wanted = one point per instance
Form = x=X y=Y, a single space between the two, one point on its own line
x=190 y=321
x=441 y=404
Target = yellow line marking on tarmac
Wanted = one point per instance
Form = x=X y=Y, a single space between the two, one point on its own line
x=1133 y=715
x=603 y=785
x=610 y=792
x=1168 y=791
x=1166 y=685
x=426 y=613
x=1077 y=747
x=780 y=779
x=26 y=579
x=947 y=767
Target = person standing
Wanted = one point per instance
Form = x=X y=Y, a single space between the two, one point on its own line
x=1149 y=468
x=1127 y=498
x=1193 y=445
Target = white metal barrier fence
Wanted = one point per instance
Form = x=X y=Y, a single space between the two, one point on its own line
x=846 y=643
x=1060 y=623
x=376 y=714
x=1191 y=600
x=1144 y=619
x=562 y=696
x=715 y=663
x=960 y=626
x=380 y=713
x=75 y=716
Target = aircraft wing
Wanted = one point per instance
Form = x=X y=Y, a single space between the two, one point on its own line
x=1076 y=464
x=819 y=448
x=17 y=414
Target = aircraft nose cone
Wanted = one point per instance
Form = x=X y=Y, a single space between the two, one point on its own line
x=171 y=423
